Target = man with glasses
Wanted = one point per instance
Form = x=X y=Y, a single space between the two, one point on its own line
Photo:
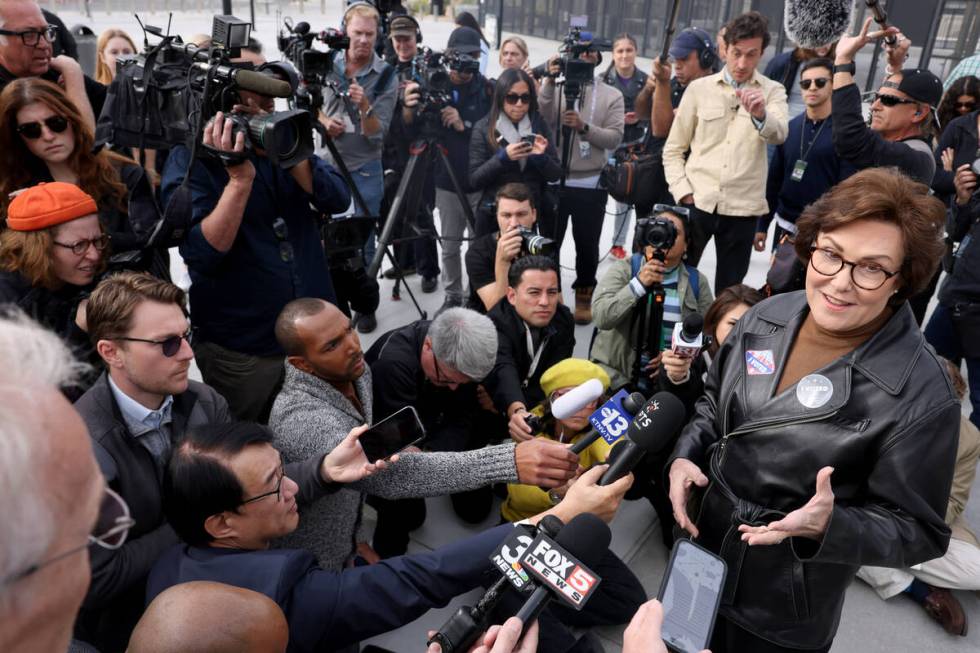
x=26 y=41
x=229 y=498
x=805 y=165
x=52 y=497
x=903 y=112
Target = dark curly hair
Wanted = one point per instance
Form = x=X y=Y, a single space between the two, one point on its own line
x=947 y=112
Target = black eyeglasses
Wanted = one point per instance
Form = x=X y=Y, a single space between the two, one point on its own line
x=965 y=105
x=32 y=37
x=79 y=247
x=514 y=98
x=170 y=345
x=890 y=100
x=277 y=491
x=32 y=130
x=805 y=84
x=869 y=276
x=110 y=532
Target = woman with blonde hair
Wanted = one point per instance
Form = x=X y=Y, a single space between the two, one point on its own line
x=112 y=43
x=43 y=138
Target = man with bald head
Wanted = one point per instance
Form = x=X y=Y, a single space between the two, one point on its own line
x=50 y=492
x=328 y=392
x=212 y=617
x=26 y=41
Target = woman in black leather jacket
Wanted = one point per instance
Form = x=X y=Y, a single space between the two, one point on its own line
x=833 y=382
x=500 y=155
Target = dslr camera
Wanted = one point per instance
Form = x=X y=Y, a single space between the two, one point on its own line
x=658 y=233
x=534 y=244
x=164 y=96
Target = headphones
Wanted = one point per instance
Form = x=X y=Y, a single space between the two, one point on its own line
x=358 y=3
x=418 y=29
x=707 y=57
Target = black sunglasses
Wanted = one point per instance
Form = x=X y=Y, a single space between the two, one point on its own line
x=805 y=84
x=32 y=130
x=965 y=105
x=514 y=98
x=891 y=100
x=169 y=345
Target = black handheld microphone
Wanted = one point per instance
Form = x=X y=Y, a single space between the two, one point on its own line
x=651 y=431
x=462 y=629
x=559 y=573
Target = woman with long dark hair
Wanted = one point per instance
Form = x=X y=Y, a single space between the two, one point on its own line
x=43 y=138
x=510 y=145
x=958 y=134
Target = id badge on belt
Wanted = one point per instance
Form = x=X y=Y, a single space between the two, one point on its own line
x=798 y=169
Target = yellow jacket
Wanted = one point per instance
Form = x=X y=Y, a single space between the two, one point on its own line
x=524 y=501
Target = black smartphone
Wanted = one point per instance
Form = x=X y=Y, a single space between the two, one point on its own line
x=529 y=139
x=392 y=434
x=690 y=593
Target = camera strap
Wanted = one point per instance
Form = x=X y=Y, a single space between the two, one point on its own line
x=535 y=355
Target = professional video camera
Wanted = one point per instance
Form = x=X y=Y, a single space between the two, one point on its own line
x=165 y=95
x=658 y=233
x=313 y=66
x=431 y=71
x=535 y=244
x=576 y=72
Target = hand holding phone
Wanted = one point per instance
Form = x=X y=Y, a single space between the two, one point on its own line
x=529 y=140
x=393 y=434
x=690 y=593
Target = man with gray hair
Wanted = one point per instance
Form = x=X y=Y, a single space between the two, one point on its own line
x=435 y=366
x=328 y=392
x=51 y=492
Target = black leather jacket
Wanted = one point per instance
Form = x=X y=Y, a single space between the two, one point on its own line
x=888 y=427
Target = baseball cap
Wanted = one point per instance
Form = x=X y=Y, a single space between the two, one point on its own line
x=922 y=85
x=403 y=26
x=689 y=40
x=47 y=205
x=464 y=39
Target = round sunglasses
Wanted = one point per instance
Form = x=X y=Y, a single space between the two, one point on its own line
x=170 y=346
x=32 y=130
x=805 y=84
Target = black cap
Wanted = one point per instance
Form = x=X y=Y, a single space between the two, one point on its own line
x=920 y=84
x=403 y=26
x=464 y=39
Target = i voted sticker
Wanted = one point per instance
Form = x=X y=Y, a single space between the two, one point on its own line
x=814 y=390
x=759 y=362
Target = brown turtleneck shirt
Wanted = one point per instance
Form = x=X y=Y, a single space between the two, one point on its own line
x=816 y=347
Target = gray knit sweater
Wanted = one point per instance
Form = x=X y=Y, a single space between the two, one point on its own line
x=311 y=417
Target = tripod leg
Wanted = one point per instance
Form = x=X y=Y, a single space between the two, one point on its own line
x=412 y=182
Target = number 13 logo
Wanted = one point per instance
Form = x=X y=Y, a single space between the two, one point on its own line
x=615 y=423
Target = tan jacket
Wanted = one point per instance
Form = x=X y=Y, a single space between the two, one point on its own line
x=605 y=124
x=964 y=473
x=727 y=168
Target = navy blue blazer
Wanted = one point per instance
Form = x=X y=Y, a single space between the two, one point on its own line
x=328 y=610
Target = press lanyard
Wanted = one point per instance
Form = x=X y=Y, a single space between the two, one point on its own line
x=535 y=355
x=804 y=155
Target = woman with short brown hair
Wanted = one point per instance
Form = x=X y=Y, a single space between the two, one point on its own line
x=832 y=380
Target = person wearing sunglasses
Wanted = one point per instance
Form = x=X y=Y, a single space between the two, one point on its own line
x=230 y=498
x=55 y=506
x=511 y=145
x=26 y=51
x=903 y=111
x=786 y=68
x=826 y=421
x=44 y=138
x=805 y=165
x=958 y=118
x=51 y=252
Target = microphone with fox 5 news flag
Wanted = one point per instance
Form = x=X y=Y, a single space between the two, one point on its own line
x=467 y=624
x=652 y=430
x=562 y=566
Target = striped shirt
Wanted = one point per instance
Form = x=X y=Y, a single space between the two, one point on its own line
x=672 y=307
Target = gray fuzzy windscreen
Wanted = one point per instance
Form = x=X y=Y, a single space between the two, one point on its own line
x=812 y=23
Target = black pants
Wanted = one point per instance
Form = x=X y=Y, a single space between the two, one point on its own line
x=730 y=638
x=615 y=601
x=733 y=244
x=587 y=209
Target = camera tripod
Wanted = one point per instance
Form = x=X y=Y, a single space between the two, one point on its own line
x=650 y=322
x=424 y=152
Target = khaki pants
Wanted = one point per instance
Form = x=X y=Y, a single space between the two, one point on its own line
x=959 y=569
x=248 y=383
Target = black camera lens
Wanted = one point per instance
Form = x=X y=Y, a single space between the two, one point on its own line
x=659 y=233
x=535 y=244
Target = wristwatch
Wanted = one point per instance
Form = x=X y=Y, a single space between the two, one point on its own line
x=845 y=68
x=369 y=112
x=584 y=130
x=555 y=497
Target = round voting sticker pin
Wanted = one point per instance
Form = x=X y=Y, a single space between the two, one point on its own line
x=814 y=390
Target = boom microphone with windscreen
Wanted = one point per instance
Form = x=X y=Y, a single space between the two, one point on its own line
x=576 y=399
x=815 y=23
x=653 y=429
